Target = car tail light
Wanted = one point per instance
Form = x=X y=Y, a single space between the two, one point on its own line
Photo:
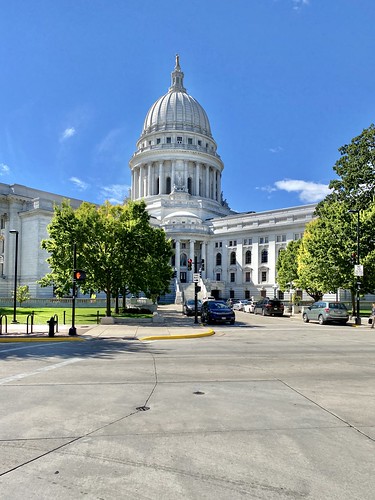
x=327 y=309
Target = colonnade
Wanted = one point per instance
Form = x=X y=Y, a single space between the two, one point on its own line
x=163 y=177
x=185 y=250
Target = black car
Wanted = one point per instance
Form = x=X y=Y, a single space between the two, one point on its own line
x=215 y=311
x=269 y=307
x=189 y=307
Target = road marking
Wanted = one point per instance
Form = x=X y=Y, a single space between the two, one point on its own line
x=40 y=370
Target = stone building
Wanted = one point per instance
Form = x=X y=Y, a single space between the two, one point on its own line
x=177 y=170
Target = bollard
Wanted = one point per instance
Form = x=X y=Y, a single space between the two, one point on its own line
x=51 y=327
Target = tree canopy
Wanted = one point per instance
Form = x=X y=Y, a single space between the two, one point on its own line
x=115 y=245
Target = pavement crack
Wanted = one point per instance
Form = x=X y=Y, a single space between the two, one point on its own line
x=343 y=420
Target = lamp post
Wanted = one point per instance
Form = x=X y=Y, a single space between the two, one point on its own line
x=358 y=283
x=14 y=231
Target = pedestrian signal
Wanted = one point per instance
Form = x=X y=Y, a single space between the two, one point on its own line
x=79 y=275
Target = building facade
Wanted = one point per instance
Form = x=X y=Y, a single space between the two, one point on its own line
x=177 y=171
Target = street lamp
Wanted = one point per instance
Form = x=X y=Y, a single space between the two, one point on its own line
x=358 y=283
x=14 y=231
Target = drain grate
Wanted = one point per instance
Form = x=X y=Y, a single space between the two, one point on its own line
x=142 y=408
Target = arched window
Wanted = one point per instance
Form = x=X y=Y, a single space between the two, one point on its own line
x=168 y=185
x=248 y=257
x=173 y=260
x=233 y=258
x=183 y=260
x=200 y=187
x=264 y=256
x=157 y=186
x=190 y=184
x=218 y=259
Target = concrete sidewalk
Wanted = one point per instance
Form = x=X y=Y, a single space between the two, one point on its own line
x=174 y=326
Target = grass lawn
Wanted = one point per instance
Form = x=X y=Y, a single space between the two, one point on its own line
x=83 y=315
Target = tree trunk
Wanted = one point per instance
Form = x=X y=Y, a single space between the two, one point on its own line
x=108 y=304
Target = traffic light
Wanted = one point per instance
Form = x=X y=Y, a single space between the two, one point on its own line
x=79 y=275
x=190 y=263
x=202 y=265
x=353 y=258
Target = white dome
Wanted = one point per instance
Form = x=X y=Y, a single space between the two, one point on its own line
x=177 y=110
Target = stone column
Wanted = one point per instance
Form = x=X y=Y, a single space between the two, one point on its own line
x=207 y=181
x=148 y=180
x=173 y=174
x=140 y=194
x=177 y=263
x=191 y=256
x=197 y=175
x=161 y=179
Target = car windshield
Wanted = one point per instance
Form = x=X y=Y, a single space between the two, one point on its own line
x=335 y=305
x=218 y=305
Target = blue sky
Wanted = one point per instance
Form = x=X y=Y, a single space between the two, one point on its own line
x=285 y=83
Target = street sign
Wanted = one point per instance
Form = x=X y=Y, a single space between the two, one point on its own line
x=358 y=270
x=196 y=277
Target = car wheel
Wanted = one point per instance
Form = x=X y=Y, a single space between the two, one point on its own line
x=305 y=318
x=321 y=320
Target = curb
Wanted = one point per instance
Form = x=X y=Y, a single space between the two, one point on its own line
x=40 y=339
x=172 y=337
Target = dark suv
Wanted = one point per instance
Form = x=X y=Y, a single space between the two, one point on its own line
x=269 y=307
x=215 y=311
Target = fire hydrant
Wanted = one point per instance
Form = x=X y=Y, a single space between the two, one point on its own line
x=51 y=327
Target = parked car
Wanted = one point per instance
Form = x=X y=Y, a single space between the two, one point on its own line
x=239 y=305
x=189 y=307
x=269 y=307
x=215 y=311
x=249 y=307
x=326 y=312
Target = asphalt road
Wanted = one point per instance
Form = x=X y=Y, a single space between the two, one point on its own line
x=270 y=408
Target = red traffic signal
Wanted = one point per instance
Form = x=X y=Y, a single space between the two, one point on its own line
x=79 y=275
x=190 y=262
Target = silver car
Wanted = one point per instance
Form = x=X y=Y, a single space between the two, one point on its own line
x=326 y=312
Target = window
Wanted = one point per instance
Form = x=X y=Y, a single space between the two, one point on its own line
x=183 y=260
x=183 y=245
x=218 y=277
x=232 y=243
x=169 y=140
x=248 y=241
x=231 y=294
x=298 y=236
x=281 y=238
x=264 y=276
x=233 y=258
x=199 y=143
x=2 y=222
x=232 y=277
x=168 y=185
x=263 y=240
x=157 y=141
x=190 y=185
x=264 y=256
x=247 y=294
x=220 y=244
x=179 y=140
x=218 y=259
x=248 y=257
x=190 y=140
x=247 y=276
x=216 y=244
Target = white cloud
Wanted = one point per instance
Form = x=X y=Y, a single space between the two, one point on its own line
x=277 y=149
x=298 y=4
x=68 y=132
x=79 y=184
x=309 y=192
x=4 y=169
x=115 y=193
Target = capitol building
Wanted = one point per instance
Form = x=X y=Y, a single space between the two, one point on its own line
x=177 y=171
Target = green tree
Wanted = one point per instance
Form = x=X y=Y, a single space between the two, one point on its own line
x=115 y=245
x=356 y=171
x=287 y=266
x=22 y=294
